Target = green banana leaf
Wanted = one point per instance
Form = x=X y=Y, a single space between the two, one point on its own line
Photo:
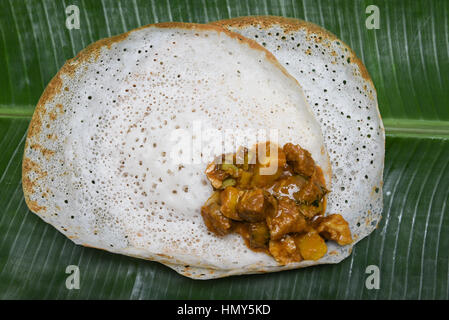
x=408 y=59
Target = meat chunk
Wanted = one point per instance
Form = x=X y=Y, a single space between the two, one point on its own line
x=300 y=159
x=214 y=220
x=311 y=245
x=310 y=211
x=311 y=192
x=334 y=227
x=251 y=206
x=284 y=250
x=215 y=175
x=259 y=235
x=229 y=199
x=274 y=198
x=286 y=219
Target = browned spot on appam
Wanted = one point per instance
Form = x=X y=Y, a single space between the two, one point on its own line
x=59 y=108
x=29 y=166
x=36 y=122
x=47 y=153
x=164 y=255
x=52 y=136
x=34 y=207
x=52 y=115
x=28 y=185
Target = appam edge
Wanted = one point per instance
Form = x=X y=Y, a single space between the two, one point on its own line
x=33 y=173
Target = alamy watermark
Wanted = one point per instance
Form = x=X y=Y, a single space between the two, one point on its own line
x=73 y=17
x=73 y=280
x=201 y=145
x=373 y=20
x=373 y=279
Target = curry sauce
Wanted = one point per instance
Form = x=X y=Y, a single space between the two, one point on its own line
x=275 y=198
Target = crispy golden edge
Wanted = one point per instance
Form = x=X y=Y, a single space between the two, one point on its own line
x=93 y=50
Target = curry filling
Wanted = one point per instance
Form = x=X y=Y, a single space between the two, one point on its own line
x=276 y=202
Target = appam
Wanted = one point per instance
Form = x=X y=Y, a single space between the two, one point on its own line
x=99 y=162
x=343 y=99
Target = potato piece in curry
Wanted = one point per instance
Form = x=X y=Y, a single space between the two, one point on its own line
x=275 y=198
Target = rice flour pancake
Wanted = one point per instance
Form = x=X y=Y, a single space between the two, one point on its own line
x=343 y=98
x=98 y=162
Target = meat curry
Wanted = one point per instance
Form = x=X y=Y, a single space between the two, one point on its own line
x=280 y=212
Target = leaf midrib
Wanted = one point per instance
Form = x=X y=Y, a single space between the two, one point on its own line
x=416 y=128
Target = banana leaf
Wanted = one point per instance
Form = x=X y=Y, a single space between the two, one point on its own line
x=408 y=59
